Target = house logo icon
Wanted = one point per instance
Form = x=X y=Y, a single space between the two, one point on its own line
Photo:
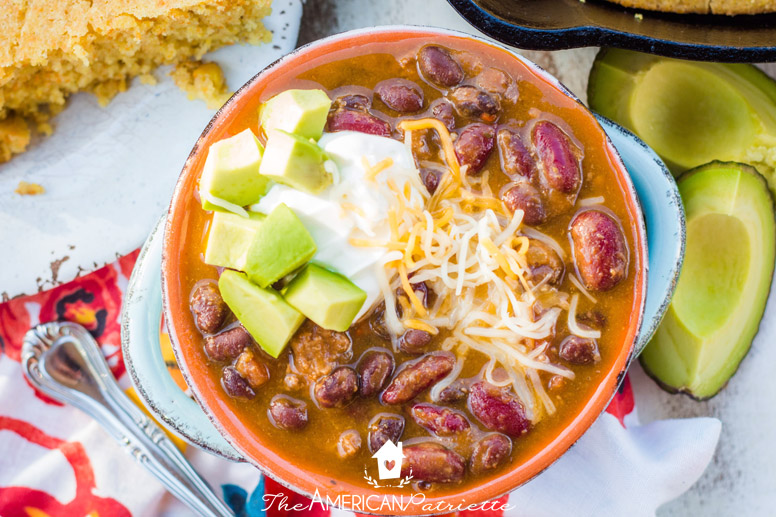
x=389 y=459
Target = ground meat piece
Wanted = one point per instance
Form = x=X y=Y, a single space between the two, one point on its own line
x=348 y=443
x=252 y=369
x=318 y=351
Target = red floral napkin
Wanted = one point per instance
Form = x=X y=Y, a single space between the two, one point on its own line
x=54 y=460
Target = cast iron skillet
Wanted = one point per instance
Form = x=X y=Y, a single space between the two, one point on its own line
x=562 y=24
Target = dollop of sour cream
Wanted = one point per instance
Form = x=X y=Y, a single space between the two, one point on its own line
x=353 y=206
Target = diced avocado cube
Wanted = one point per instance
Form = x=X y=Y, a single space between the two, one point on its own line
x=302 y=112
x=263 y=312
x=294 y=161
x=231 y=171
x=327 y=298
x=229 y=238
x=281 y=245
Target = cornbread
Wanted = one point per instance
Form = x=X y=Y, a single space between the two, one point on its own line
x=729 y=7
x=29 y=189
x=53 y=48
x=203 y=81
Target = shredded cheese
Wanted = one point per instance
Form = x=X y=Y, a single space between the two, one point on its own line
x=574 y=327
x=471 y=252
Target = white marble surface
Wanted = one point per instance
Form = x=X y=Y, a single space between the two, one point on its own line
x=741 y=480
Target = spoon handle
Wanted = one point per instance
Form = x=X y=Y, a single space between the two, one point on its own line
x=64 y=361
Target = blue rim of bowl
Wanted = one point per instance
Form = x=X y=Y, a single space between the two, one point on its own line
x=141 y=318
x=537 y=35
x=660 y=228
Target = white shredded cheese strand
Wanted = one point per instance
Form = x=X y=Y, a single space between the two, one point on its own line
x=578 y=284
x=574 y=327
x=591 y=201
x=223 y=203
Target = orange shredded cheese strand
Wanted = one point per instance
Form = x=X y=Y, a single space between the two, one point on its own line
x=500 y=258
x=373 y=243
x=524 y=243
x=353 y=208
x=405 y=283
x=411 y=244
x=444 y=136
x=372 y=172
x=421 y=325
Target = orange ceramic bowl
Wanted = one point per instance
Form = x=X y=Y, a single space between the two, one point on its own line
x=239 y=112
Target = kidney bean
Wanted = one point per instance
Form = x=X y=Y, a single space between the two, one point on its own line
x=287 y=413
x=338 y=388
x=433 y=463
x=458 y=390
x=352 y=120
x=579 y=350
x=234 y=384
x=559 y=165
x=374 y=369
x=348 y=443
x=228 y=344
x=544 y=262
x=438 y=66
x=417 y=377
x=439 y=420
x=473 y=146
x=422 y=291
x=498 y=409
x=516 y=159
x=443 y=111
x=400 y=95
x=210 y=310
x=430 y=179
x=489 y=453
x=600 y=251
x=414 y=341
x=470 y=101
x=354 y=101
x=384 y=427
x=252 y=369
x=523 y=196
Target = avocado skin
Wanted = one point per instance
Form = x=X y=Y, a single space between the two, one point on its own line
x=615 y=76
x=653 y=370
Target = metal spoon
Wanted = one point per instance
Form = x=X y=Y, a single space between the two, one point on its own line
x=64 y=361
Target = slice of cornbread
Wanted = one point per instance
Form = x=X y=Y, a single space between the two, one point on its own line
x=729 y=7
x=52 y=48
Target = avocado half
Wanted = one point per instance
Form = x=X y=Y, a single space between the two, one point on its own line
x=689 y=112
x=724 y=284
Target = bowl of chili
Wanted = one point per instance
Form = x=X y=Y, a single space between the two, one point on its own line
x=481 y=403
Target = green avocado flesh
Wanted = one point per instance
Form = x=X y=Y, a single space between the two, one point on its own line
x=302 y=112
x=263 y=312
x=294 y=161
x=280 y=246
x=725 y=280
x=329 y=299
x=689 y=112
x=231 y=171
x=229 y=238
